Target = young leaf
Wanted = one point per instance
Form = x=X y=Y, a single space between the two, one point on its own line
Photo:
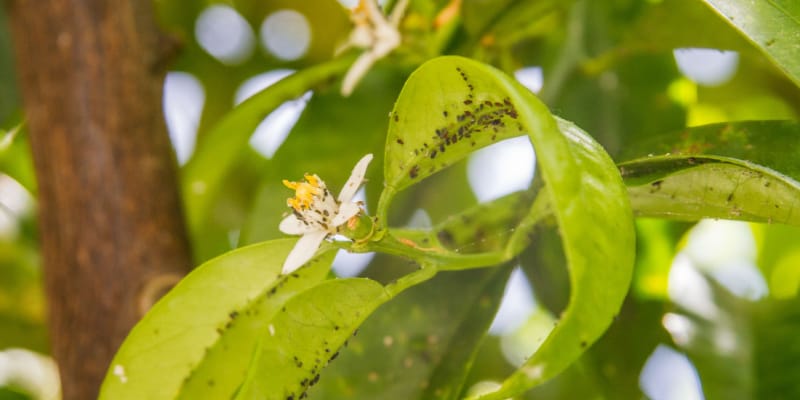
x=599 y=254
x=308 y=333
x=202 y=334
x=743 y=170
x=439 y=105
x=425 y=339
x=448 y=377
x=443 y=113
x=16 y=159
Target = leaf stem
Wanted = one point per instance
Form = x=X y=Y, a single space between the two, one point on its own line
x=412 y=279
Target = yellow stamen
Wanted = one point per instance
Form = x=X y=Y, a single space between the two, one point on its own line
x=304 y=192
x=290 y=185
x=312 y=179
x=361 y=8
x=294 y=203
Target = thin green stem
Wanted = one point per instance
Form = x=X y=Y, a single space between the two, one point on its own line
x=445 y=259
x=383 y=208
x=415 y=278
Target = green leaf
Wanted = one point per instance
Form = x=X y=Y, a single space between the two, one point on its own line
x=22 y=299
x=202 y=334
x=772 y=26
x=775 y=325
x=478 y=15
x=7 y=393
x=309 y=331
x=448 y=378
x=440 y=119
x=744 y=170
x=779 y=259
x=16 y=159
x=599 y=255
x=654 y=29
x=425 y=339
x=505 y=23
x=450 y=97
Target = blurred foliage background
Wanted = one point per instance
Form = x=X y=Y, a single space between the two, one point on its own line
x=713 y=310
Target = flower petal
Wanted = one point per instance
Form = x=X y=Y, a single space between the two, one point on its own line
x=356 y=178
x=357 y=70
x=346 y=211
x=397 y=13
x=293 y=226
x=303 y=251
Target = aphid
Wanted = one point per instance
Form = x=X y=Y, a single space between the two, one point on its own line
x=413 y=172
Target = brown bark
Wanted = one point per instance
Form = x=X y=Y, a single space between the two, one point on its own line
x=112 y=233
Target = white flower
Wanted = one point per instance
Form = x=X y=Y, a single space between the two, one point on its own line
x=316 y=214
x=374 y=33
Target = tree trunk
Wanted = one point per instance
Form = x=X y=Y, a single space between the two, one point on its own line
x=112 y=233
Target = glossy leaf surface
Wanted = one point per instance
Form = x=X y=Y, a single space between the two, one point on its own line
x=466 y=105
x=773 y=26
x=743 y=170
x=308 y=334
x=202 y=333
x=425 y=338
